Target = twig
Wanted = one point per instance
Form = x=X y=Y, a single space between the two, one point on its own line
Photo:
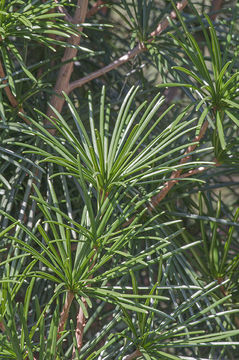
x=96 y=74
x=194 y=172
x=176 y=174
x=130 y=54
x=81 y=320
x=80 y=325
x=63 y=78
x=164 y=24
x=199 y=170
x=65 y=313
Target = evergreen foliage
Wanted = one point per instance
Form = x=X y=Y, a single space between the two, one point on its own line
x=119 y=180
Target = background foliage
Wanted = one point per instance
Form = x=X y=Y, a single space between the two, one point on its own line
x=119 y=179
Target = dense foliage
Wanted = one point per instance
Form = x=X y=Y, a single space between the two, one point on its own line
x=119 y=179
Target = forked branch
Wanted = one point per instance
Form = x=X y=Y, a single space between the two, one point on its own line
x=130 y=54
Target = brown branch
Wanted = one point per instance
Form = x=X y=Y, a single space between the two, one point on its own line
x=236 y=320
x=80 y=319
x=95 y=8
x=80 y=325
x=10 y=96
x=63 y=78
x=65 y=313
x=134 y=355
x=130 y=54
x=2 y=327
x=176 y=174
x=123 y=59
x=12 y=99
x=164 y=24
x=216 y=6
x=173 y=181
x=199 y=170
x=194 y=172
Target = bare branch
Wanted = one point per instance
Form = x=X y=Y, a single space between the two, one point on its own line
x=194 y=172
x=216 y=6
x=65 y=313
x=2 y=327
x=11 y=97
x=130 y=54
x=176 y=174
x=198 y=170
x=123 y=59
x=80 y=325
x=81 y=320
x=95 y=8
x=164 y=24
x=63 y=78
